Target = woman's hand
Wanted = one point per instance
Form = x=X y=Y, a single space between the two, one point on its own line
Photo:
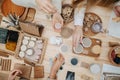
x=57 y=19
x=13 y=74
x=117 y=10
x=58 y=62
x=46 y=6
x=77 y=35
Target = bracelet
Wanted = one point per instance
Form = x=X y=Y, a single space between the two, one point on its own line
x=50 y=78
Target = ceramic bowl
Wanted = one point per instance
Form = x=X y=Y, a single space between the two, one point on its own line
x=95 y=68
x=96 y=27
x=74 y=61
x=112 y=54
x=79 y=49
x=87 y=42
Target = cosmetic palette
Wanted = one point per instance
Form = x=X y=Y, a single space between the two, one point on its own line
x=92 y=24
x=32 y=48
x=89 y=47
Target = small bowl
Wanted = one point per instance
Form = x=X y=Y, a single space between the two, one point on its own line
x=74 y=61
x=112 y=55
x=95 y=68
x=96 y=27
x=79 y=49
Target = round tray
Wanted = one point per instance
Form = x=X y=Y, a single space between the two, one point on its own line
x=110 y=57
x=89 y=20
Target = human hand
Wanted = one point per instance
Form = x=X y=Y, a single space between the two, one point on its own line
x=13 y=74
x=117 y=10
x=58 y=61
x=57 y=19
x=46 y=6
x=77 y=36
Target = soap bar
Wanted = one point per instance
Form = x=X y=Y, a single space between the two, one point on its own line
x=34 y=39
x=11 y=45
x=21 y=54
x=25 y=41
x=29 y=52
x=13 y=36
x=31 y=44
x=3 y=35
x=38 y=71
x=23 y=48
x=26 y=37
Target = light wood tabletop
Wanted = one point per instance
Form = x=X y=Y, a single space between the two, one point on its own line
x=53 y=50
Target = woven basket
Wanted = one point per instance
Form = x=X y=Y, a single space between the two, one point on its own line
x=111 y=58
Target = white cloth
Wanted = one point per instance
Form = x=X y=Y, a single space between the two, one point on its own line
x=79 y=16
x=114 y=27
x=25 y=3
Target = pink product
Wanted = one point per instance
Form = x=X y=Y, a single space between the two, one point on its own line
x=39 y=41
x=39 y=46
x=34 y=57
x=38 y=52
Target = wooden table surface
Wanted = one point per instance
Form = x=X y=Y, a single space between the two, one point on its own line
x=53 y=50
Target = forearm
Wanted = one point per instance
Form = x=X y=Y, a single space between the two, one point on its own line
x=25 y=3
x=79 y=14
x=57 y=4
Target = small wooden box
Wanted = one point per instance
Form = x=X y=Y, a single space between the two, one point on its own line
x=38 y=71
x=32 y=28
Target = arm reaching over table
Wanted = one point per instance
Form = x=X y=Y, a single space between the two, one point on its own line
x=58 y=62
x=78 y=23
x=45 y=5
x=13 y=74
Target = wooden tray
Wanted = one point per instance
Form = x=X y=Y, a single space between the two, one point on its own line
x=88 y=50
x=43 y=49
x=89 y=20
